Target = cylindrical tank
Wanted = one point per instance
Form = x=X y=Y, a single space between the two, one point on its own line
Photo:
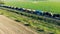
x=38 y=12
x=28 y=10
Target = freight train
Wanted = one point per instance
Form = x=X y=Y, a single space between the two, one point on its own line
x=37 y=12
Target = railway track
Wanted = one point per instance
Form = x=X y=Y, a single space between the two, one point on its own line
x=57 y=20
x=39 y=15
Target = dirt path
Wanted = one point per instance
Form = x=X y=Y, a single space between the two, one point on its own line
x=8 y=26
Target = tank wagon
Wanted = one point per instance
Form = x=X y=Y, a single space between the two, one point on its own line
x=28 y=10
x=12 y=7
x=47 y=14
x=21 y=9
x=38 y=12
x=56 y=15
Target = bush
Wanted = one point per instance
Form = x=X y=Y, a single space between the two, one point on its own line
x=51 y=33
x=27 y=24
x=1 y=14
x=17 y=21
x=41 y=30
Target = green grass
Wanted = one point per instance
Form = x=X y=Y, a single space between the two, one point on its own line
x=34 y=23
x=37 y=17
x=53 y=7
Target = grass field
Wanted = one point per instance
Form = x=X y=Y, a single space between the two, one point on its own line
x=33 y=22
x=53 y=7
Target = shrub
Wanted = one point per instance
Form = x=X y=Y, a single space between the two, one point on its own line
x=41 y=30
x=27 y=24
x=17 y=21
